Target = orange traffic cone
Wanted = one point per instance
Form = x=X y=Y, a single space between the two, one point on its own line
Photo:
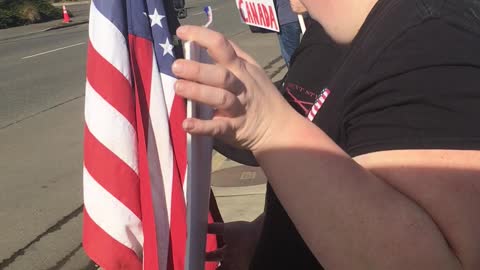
x=66 y=17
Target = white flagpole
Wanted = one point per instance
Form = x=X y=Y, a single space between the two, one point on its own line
x=302 y=23
x=199 y=155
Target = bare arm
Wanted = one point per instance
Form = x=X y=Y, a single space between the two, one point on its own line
x=385 y=210
x=377 y=212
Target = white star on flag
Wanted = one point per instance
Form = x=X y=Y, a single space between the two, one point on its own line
x=167 y=48
x=156 y=18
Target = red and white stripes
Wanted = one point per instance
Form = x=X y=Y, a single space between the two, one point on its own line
x=113 y=215
x=318 y=104
x=135 y=157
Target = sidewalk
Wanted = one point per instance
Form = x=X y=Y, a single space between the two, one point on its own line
x=26 y=30
x=239 y=189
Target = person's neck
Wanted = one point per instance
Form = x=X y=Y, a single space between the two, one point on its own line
x=363 y=12
x=357 y=12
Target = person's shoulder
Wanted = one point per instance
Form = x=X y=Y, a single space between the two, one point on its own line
x=463 y=14
x=435 y=42
x=403 y=36
x=450 y=36
x=460 y=12
x=392 y=20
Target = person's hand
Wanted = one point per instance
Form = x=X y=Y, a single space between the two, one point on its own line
x=248 y=107
x=240 y=239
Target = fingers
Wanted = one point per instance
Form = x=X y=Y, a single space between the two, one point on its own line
x=213 y=75
x=218 y=47
x=214 y=97
x=215 y=127
x=245 y=56
x=216 y=255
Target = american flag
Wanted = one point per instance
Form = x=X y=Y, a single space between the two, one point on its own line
x=134 y=146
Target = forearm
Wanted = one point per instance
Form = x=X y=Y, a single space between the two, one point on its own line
x=349 y=218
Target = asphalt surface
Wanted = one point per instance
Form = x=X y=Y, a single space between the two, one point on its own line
x=32 y=82
x=42 y=79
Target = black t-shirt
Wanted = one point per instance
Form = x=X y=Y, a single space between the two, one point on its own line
x=409 y=80
x=312 y=65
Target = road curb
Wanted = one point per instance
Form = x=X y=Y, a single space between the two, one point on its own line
x=71 y=3
x=45 y=30
x=20 y=36
x=65 y=25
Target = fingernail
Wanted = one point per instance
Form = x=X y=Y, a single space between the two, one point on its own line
x=181 y=30
x=178 y=86
x=187 y=125
x=177 y=68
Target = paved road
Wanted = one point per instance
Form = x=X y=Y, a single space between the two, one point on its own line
x=32 y=83
x=41 y=124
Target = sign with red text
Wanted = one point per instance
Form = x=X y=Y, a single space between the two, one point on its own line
x=260 y=13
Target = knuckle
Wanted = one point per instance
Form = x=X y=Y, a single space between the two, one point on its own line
x=222 y=100
x=195 y=69
x=220 y=42
x=224 y=128
x=186 y=87
x=218 y=129
x=242 y=66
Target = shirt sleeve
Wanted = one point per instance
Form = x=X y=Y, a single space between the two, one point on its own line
x=422 y=93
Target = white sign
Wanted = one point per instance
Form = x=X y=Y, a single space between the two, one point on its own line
x=260 y=13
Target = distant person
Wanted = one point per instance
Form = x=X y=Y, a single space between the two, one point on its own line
x=289 y=35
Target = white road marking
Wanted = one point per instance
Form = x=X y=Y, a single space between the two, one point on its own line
x=42 y=53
